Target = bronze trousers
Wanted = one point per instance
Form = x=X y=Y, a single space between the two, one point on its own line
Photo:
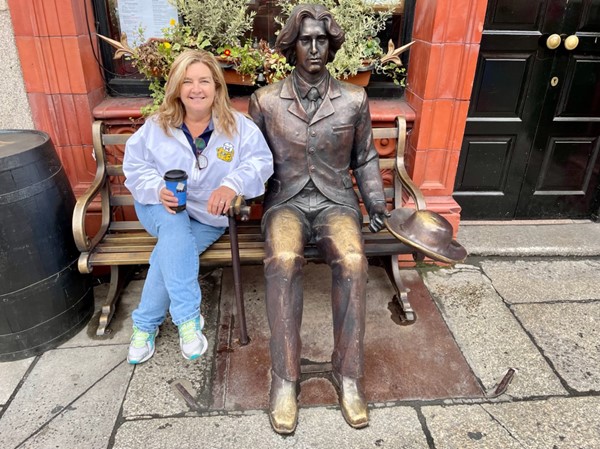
x=337 y=233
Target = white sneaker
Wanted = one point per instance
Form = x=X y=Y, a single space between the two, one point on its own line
x=193 y=343
x=141 y=347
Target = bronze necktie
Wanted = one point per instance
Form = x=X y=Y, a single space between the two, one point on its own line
x=313 y=97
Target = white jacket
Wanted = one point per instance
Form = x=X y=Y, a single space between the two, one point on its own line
x=243 y=163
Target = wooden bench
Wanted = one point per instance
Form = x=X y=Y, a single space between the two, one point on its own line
x=122 y=241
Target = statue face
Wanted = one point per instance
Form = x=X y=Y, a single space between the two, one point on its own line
x=312 y=48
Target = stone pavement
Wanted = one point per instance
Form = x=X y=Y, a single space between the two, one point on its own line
x=527 y=299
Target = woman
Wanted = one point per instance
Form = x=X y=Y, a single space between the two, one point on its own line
x=224 y=154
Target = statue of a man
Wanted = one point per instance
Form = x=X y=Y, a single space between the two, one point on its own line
x=319 y=130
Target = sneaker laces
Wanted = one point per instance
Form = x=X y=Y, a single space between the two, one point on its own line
x=187 y=331
x=139 y=338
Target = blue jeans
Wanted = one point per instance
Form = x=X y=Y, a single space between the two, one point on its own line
x=172 y=279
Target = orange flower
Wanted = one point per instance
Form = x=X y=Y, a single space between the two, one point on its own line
x=227 y=52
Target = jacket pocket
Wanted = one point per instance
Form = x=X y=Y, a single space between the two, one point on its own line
x=342 y=129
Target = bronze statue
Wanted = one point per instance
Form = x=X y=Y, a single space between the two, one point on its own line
x=319 y=129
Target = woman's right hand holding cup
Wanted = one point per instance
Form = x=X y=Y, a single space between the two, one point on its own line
x=168 y=200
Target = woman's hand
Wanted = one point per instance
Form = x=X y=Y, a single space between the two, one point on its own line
x=168 y=200
x=219 y=201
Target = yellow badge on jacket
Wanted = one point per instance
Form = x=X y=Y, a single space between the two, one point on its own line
x=226 y=152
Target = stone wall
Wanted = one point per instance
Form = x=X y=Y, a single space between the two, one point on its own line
x=15 y=112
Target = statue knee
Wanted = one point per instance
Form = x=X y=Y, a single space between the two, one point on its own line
x=353 y=262
x=285 y=261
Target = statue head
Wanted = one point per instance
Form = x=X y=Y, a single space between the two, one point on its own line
x=288 y=36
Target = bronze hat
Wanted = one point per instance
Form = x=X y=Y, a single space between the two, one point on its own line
x=427 y=232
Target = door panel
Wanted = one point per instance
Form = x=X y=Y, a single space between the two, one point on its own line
x=530 y=148
x=502 y=115
x=579 y=96
x=563 y=174
x=496 y=72
x=510 y=15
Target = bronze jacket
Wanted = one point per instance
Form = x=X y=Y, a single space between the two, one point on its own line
x=336 y=141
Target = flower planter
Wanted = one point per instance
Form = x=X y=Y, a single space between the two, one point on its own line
x=360 y=79
x=233 y=77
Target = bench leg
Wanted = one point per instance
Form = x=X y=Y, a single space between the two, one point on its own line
x=390 y=263
x=117 y=282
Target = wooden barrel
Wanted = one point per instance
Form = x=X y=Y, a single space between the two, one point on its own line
x=44 y=300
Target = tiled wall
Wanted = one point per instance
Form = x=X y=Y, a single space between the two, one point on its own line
x=442 y=69
x=62 y=77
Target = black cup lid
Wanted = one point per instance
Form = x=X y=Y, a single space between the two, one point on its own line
x=175 y=175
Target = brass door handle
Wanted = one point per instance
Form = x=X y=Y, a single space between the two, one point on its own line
x=553 y=41
x=571 y=42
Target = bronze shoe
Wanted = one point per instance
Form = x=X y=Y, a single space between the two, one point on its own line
x=283 y=405
x=352 y=401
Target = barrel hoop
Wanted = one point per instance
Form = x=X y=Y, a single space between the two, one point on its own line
x=4 y=296
x=30 y=190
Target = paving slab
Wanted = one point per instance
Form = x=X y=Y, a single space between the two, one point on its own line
x=318 y=428
x=574 y=239
x=153 y=388
x=568 y=335
x=59 y=379
x=119 y=329
x=558 y=423
x=488 y=334
x=416 y=361
x=521 y=281
x=89 y=421
x=11 y=374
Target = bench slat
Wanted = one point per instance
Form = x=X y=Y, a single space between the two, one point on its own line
x=385 y=133
x=115 y=139
x=121 y=226
x=114 y=170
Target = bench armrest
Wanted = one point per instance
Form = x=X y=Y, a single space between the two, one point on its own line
x=99 y=185
x=412 y=189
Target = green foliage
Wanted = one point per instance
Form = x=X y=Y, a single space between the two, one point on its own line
x=275 y=65
x=246 y=59
x=361 y=23
x=392 y=70
x=154 y=57
x=223 y=22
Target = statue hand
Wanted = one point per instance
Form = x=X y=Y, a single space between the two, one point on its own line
x=377 y=213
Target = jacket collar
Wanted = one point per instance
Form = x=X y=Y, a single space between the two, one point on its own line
x=325 y=110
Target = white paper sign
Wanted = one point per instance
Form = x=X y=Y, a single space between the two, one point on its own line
x=152 y=16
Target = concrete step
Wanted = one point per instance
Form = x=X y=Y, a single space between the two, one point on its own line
x=530 y=238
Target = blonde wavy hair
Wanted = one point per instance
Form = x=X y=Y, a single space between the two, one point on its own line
x=171 y=112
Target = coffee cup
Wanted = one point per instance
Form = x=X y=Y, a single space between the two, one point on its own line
x=176 y=181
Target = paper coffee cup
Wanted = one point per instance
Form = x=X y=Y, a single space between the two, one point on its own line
x=176 y=181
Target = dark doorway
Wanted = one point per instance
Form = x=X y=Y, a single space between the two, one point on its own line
x=532 y=137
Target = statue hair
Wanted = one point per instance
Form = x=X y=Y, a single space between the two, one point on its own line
x=286 y=41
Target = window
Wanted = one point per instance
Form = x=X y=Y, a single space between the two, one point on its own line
x=123 y=79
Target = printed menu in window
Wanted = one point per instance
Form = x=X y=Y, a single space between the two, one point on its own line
x=149 y=16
